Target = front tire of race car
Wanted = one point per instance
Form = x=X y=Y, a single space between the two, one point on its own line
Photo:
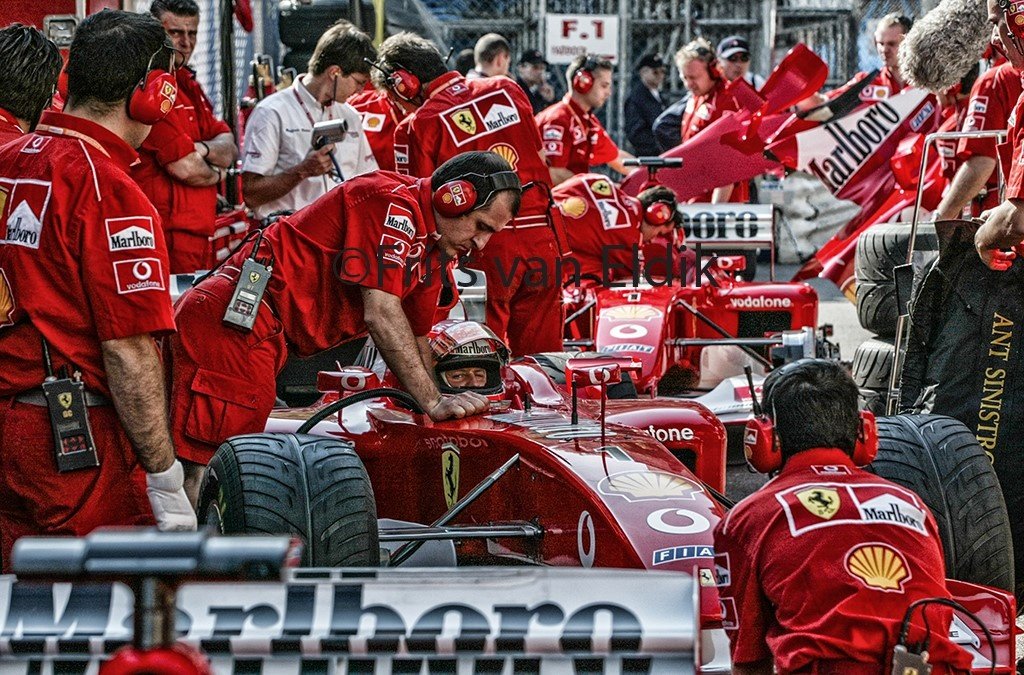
x=938 y=458
x=307 y=486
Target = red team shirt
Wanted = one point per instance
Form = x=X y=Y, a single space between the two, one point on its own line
x=1010 y=152
x=82 y=254
x=181 y=206
x=839 y=554
x=380 y=119
x=602 y=224
x=989 y=108
x=574 y=138
x=460 y=115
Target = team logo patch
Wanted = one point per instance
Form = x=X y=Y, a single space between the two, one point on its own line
x=574 y=207
x=464 y=120
x=28 y=200
x=400 y=218
x=831 y=470
x=873 y=503
x=667 y=555
x=394 y=249
x=506 y=152
x=878 y=566
x=979 y=104
x=450 y=473
x=612 y=215
x=553 y=133
x=373 y=121
x=822 y=502
x=402 y=154
x=554 y=148
x=35 y=144
x=601 y=187
x=578 y=135
x=723 y=572
x=132 y=232
x=480 y=117
x=7 y=305
x=642 y=486
x=139 y=274
x=168 y=92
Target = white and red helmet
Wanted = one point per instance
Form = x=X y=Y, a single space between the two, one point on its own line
x=468 y=344
x=1013 y=13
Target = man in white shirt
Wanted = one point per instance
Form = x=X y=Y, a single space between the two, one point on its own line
x=281 y=171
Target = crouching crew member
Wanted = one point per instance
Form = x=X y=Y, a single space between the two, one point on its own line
x=607 y=228
x=83 y=290
x=823 y=562
x=29 y=66
x=331 y=273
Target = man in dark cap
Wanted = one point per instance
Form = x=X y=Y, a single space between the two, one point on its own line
x=734 y=56
x=532 y=76
x=644 y=104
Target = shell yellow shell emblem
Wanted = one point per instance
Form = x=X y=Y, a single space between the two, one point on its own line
x=507 y=153
x=821 y=501
x=601 y=187
x=464 y=120
x=6 y=301
x=574 y=207
x=878 y=566
x=638 y=486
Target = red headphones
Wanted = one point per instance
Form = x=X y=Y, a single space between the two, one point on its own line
x=458 y=197
x=399 y=81
x=659 y=213
x=583 y=78
x=154 y=95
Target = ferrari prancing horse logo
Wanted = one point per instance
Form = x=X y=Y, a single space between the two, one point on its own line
x=450 y=473
x=464 y=120
x=254 y=277
x=64 y=398
x=821 y=501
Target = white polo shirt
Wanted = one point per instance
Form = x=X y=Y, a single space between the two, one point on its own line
x=278 y=137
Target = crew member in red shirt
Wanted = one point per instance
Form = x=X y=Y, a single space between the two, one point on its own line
x=574 y=139
x=29 y=66
x=187 y=154
x=83 y=292
x=364 y=258
x=976 y=181
x=1003 y=227
x=607 y=228
x=380 y=119
x=819 y=567
x=449 y=115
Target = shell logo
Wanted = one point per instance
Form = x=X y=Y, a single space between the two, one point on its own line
x=632 y=312
x=638 y=486
x=507 y=153
x=574 y=207
x=878 y=566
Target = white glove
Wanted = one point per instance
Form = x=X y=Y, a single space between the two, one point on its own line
x=166 y=492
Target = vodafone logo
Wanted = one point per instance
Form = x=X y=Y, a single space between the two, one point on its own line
x=139 y=274
x=760 y=302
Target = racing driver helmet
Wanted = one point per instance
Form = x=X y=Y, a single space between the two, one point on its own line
x=468 y=356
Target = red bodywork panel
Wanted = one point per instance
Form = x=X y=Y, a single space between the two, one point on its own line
x=997 y=609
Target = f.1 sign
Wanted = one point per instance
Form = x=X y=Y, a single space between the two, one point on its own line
x=569 y=35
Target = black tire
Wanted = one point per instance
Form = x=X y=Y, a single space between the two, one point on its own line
x=880 y=248
x=309 y=486
x=872 y=365
x=938 y=458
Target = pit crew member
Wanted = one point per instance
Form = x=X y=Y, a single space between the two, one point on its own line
x=607 y=228
x=380 y=119
x=449 y=115
x=186 y=154
x=733 y=53
x=574 y=139
x=644 y=104
x=468 y=356
x=492 y=57
x=341 y=269
x=992 y=99
x=29 y=66
x=1003 y=227
x=281 y=171
x=822 y=563
x=83 y=291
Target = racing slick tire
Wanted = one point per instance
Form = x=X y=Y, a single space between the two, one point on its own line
x=880 y=248
x=312 y=487
x=872 y=366
x=938 y=458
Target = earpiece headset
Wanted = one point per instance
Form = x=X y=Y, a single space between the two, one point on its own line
x=659 y=213
x=154 y=95
x=1013 y=14
x=583 y=78
x=399 y=81
x=458 y=197
x=709 y=58
x=761 y=443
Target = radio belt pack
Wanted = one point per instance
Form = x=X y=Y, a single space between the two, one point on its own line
x=73 y=444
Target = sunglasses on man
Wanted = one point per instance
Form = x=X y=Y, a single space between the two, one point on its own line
x=739 y=58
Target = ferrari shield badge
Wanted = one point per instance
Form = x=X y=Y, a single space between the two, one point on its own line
x=820 y=501
x=464 y=120
x=254 y=277
x=64 y=398
x=450 y=473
